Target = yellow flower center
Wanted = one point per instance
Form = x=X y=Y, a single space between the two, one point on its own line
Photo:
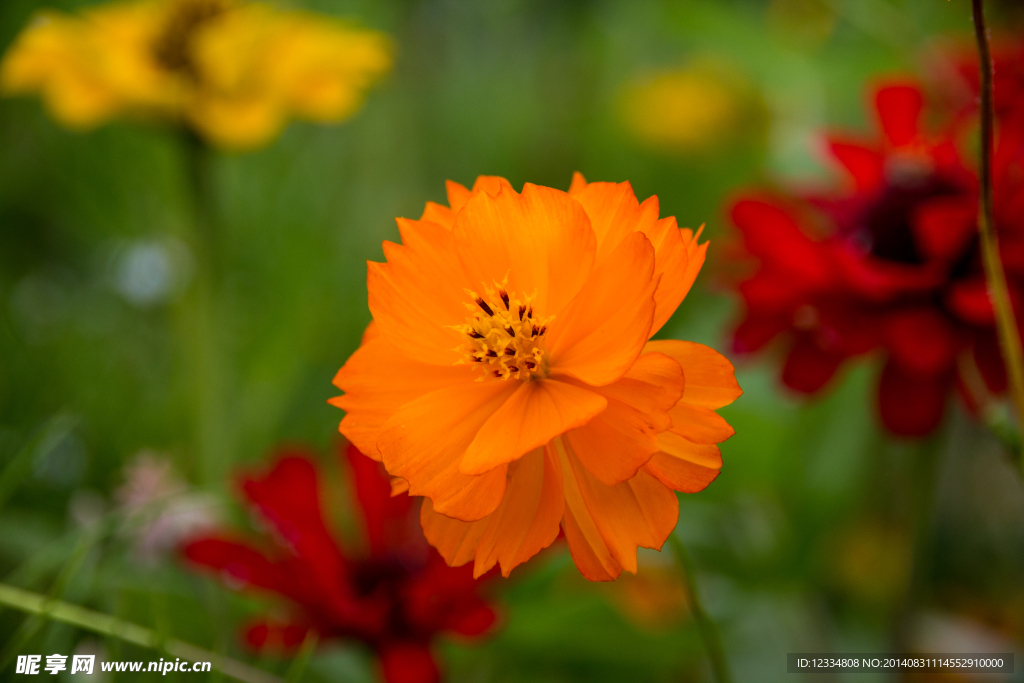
x=172 y=47
x=504 y=335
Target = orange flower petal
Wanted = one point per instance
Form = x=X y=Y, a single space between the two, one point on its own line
x=378 y=379
x=371 y=332
x=537 y=412
x=653 y=386
x=699 y=424
x=680 y=475
x=438 y=213
x=616 y=443
x=579 y=183
x=526 y=522
x=424 y=441
x=588 y=550
x=683 y=465
x=457 y=195
x=710 y=377
x=606 y=524
x=456 y=540
x=603 y=330
x=417 y=294
x=614 y=213
x=399 y=486
x=679 y=260
x=492 y=185
x=540 y=239
x=705 y=455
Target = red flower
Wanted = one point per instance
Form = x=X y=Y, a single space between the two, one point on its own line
x=395 y=597
x=1008 y=79
x=897 y=269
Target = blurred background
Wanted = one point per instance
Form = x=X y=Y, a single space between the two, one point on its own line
x=822 y=534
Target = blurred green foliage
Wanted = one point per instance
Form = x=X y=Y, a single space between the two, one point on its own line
x=820 y=534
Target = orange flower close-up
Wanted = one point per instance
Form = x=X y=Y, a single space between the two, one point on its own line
x=509 y=376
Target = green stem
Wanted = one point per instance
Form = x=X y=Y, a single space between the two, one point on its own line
x=1006 y=321
x=31 y=626
x=302 y=657
x=106 y=625
x=18 y=468
x=706 y=627
x=917 y=485
x=203 y=357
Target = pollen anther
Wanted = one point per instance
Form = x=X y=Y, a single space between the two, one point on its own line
x=503 y=334
x=483 y=304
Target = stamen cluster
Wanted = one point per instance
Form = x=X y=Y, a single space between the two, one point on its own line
x=504 y=335
x=184 y=19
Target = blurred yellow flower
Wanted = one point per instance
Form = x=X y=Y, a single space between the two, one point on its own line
x=233 y=71
x=684 y=110
x=871 y=561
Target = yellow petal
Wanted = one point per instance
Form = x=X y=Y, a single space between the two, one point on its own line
x=236 y=122
x=79 y=103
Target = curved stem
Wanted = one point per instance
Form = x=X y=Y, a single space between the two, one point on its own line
x=706 y=627
x=1006 y=322
x=110 y=626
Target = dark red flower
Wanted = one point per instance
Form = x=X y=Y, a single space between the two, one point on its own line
x=396 y=596
x=895 y=268
x=961 y=91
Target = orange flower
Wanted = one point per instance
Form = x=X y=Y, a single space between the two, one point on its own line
x=507 y=375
